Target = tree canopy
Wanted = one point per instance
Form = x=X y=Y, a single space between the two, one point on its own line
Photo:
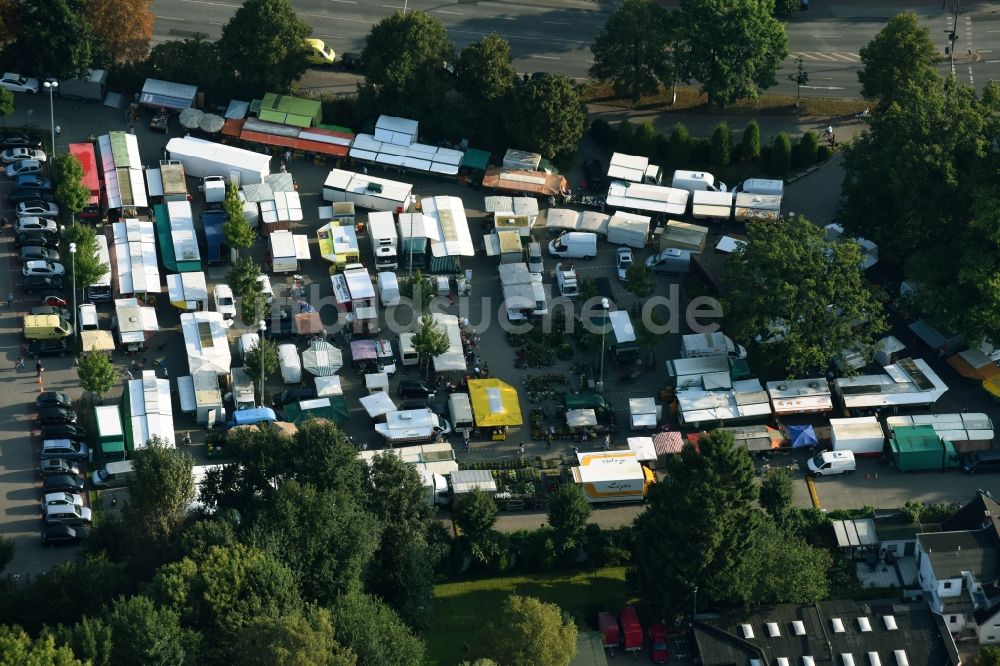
x=85 y=264
x=96 y=372
x=902 y=53
x=484 y=73
x=547 y=115
x=263 y=47
x=195 y=61
x=237 y=230
x=299 y=639
x=569 y=511
x=160 y=490
x=70 y=192
x=803 y=297
x=475 y=514
x=17 y=647
x=531 y=632
x=367 y=626
x=122 y=30
x=54 y=39
x=632 y=51
x=6 y=102
x=429 y=340
x=264 y=352
x=731 y=47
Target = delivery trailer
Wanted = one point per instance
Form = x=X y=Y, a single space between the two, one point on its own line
x=89 y=88
x=610 y=635
x=700 y=345
x=412 y=425
x=863 y=436
x=628 y=229
x=631 y=629
x=206 y=158
x=384 y=240
x=612 y=478
x=367 y=191
x=921 y=449
x=286 y=250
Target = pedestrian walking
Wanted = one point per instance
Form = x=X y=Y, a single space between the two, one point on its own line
x=288 y=156
x=607 y=442
x=520 y=452
x=364 y=170
x=128 y=373
x=38 y=369
x=10 y=299
x=548 y=442
x=3 y=223
x=19 y=363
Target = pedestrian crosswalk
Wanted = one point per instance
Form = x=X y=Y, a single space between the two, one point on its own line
x=826 y=56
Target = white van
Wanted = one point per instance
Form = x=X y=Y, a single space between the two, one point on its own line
x=763 y=186
x=113 y=474
x=247 y=342
x=829 y=463
x=670 y=260
x=407 y=354
x=696 y=181
x=290 y=364
x=88 y=317
x=535 y=265
x=388 y=288
x=574 y=245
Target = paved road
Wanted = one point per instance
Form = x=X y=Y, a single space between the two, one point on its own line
x=555 y=35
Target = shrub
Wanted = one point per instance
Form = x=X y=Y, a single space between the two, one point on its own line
x=786 y=8
x=823 y=153
x=750 y=146
x=625 y=136
x=721 y=150
x=644 y=140
x=661 y=149
x=701 y=153
x=679 y=150
x=781 y=155
x=601 y=132
x=808 y=149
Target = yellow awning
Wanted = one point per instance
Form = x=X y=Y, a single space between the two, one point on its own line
x=992 y=386
x=494 y=403
x=96 y=341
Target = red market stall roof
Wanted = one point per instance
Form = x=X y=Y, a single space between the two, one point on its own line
x=326 y=142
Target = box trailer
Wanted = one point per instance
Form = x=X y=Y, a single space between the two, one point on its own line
x=173 y=181
x=412 y=425
x=460 y=410
x=711 y=205
x=863 y=436
x=287 y=250
x=610 y=635
x=612 y=478
x=697 y=181
x=631 y=629
x=634 y=169
x=384 y=240
x=628 y=229
x=207 y=158
x=90 y=88
x=367 y=191
x=700 y=345
x=920 y=448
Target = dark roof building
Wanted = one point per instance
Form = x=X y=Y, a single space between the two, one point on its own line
x=829 y=632
x=953 y=553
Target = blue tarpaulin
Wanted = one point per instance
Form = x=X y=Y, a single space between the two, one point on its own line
x=802 y=436
x=253 y=416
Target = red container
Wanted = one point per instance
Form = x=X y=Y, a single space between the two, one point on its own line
x=610 y=636
x=658 y=644
x=631 y=629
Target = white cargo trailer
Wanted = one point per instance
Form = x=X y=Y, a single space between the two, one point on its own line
x=366 y=191
x=863 y=436
x=207 y=158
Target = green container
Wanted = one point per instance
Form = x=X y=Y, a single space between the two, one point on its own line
x=920 y=449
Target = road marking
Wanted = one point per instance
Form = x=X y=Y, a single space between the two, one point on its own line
x=826 y=56
x=985 y=51
x=445 y=11
x=504 y=18
x=992 y=61
x=557 y=22
x=346 y=2
x=545 y=57
x=171 y=18
x=823 y=87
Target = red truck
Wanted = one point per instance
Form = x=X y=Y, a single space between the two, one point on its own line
x=658 y=644
x=610 y=636
x=631 y=629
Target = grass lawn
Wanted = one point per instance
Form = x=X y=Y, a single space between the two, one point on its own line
x=462 y=609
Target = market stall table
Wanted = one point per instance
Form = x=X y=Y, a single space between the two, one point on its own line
x=581 y=418
x=495 y=405
x=322 y=359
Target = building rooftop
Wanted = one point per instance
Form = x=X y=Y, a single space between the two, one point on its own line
x=825 y=631
x=951 y=553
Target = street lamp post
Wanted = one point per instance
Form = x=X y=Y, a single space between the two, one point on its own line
x=76 y=318
x=262 y=327
x=51 y=86
x=605 y=304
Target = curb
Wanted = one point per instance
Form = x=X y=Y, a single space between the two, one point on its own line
x=813 y=495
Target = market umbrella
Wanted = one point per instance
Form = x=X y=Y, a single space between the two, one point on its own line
x=211 y=123
x=189 y=118
x=322 y=359
x=802 y=436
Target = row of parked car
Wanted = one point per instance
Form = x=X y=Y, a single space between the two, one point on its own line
x=64 y=515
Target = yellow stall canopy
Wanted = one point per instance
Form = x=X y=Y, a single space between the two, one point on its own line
x=338 y=244
x=992 y=386
x=494 y=403
x=96 y=341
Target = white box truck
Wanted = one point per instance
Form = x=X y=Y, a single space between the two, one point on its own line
x=523 y=293
x=290 y=364
x=628 y=229
x=862 y=436
x=412 y=425
x=697 y=181
x=214 y=188
x=287 y=249
x=699 y=345
x=385 y=241
x=617 y=477
x=366 y=191
x=207 y=158
x=763 y=186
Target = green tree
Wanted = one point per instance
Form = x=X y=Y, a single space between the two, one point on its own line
x=71 y=193
x=644 y=140
x=679 y=148
x=160 y=489
x=405 y=56
x=786 y=8
x=475 y=514
x=650 y=329
x=698 y=528
x=721 y=144
x=7 y=550
x=90 y=639
x=6 y=102
x=374 y=632
x=195 y=61
x=783 y=568
x=781 y=154
x=430 y=340
x=141 y=633
x=17 y=647
x=299 y=639
x=239 y=234
x=799 y=78
x=402 y=572
x=808 y=149
x=632 y=51
x=900 y=55
x=242 y=279
x=531 y=632
x=639 y=280
x=122 y=30
x=419 y=289
x=569 y=511
x=85 y=263
x=325 y=542
x=276 y=54
x=96 y=372
x=546 y=115
x=54 y=39
x=750 y=146
x=989 y=655
x=731 y=47
x=776 y=493
x=803 y=296
x=267 y=349
x=485 y=73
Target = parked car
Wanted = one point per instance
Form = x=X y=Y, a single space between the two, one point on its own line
x=351 y=61
x=658 y=644
x=52 y=399
x=594 y=174
x=36 y=238
x=289 y=396
x=413 y=403
x=36 y=283
x=69 y=515
x=17 y=196
x=224 y=303
x=24 y=168
x=56 y=414
x=414 y=388
x=30 y=180
x=57 y=466
x=41 y=267
x=61 y=499
x=61 y=534
x=265 y=288
x=624 y=260
x=39 y=348
x=54 y=300
x=69 y=431
x=62 y=313
x=12 y=155
x=37 y=253
x=16 y=83
x=982 y=461
x=36 y=208
x=64 y=448
x=20 y=140
x=62 y=483
x=35 y=224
